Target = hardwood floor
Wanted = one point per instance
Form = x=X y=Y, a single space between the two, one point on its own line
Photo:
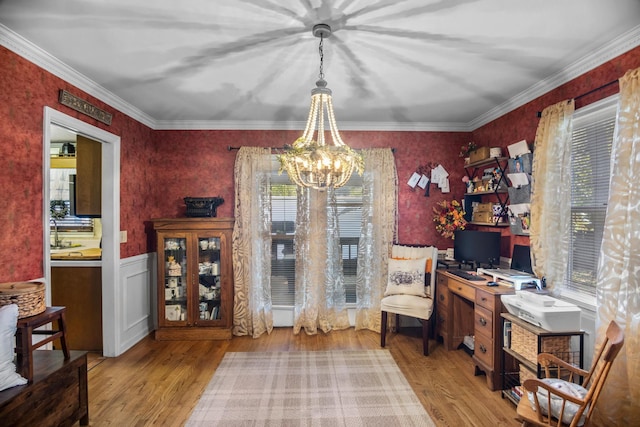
x=159 y=382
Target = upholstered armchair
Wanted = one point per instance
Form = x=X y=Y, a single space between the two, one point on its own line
x=410 y=288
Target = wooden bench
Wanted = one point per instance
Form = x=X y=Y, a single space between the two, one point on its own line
x=57 y=396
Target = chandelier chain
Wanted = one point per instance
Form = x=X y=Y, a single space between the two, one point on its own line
x=321 y=50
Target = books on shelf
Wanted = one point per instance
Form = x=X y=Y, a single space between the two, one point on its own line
x=506 y=334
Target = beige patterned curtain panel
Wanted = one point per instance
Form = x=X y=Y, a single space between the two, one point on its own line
x=618 y=286
x=252 y=243
x=551 y=194
x=378 y=232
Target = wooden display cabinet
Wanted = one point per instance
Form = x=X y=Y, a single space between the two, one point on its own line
x=195 y=278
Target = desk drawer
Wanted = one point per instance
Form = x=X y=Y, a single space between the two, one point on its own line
x=486 y=300
x=484 y=350
x=465 y=291
x=483 y=322
x=441 y=323
x=442 y=295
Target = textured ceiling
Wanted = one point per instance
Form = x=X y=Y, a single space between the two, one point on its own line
x=392 y=64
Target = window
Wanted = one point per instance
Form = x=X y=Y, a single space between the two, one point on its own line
x=593 y=128
x=283 y=220
x=59 y=193
x=72 y=223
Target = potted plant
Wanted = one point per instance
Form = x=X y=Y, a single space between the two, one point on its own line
x=449 y=217
x=466 y=150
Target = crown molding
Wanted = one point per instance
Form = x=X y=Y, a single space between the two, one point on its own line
x=607 y=52
x=343 y=126
x=31 y=52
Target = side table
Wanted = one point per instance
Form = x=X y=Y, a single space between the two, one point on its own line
x=24 y=337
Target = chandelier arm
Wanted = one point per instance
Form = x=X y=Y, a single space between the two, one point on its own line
x=320 y=129
x=307 y=135
x=335 y=133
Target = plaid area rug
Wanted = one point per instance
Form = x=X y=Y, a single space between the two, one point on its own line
x=309 y=388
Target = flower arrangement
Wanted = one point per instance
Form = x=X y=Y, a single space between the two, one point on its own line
x=449 y=217
x=468 y=148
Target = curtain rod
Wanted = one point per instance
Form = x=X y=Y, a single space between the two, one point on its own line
x=230 y=148
x=589 y=92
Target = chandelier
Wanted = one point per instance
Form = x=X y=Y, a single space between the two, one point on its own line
x=314 y=163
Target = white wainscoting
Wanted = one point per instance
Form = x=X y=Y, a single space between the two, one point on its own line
x=137 y=300
x=284 y=317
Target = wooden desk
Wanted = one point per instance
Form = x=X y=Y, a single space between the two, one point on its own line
x=57 y=396
x=465 y=307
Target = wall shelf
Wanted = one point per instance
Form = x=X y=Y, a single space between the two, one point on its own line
x=499 y=190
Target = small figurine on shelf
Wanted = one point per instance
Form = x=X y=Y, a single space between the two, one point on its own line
x=174 y=269
x=468 y=183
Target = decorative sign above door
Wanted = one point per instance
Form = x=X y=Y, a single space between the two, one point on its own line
x=78 y=104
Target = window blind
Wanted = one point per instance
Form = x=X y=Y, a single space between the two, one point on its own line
x=73 y=223
x=283 y=219
x=592 y=136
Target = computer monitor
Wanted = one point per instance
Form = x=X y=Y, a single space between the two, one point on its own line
x=477 y=247
x=521 y=259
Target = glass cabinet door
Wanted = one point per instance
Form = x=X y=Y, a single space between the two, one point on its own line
x=209 y=279
x=175 y=279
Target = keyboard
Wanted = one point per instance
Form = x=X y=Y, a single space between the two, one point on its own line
x=466 y=275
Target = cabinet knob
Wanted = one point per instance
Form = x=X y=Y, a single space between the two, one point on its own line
x=483 y=299
x=483 y=321
x=441 y=297
x=440 y=319
x=483 y=348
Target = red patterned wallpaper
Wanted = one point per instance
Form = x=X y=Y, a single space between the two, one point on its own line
x=160 y=168
x=198 y=164
x=26 y=90
x=522 y=122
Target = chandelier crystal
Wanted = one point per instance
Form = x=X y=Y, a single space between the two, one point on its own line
x=313 y=163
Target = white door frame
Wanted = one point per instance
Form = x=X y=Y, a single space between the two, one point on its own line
x=110 y=220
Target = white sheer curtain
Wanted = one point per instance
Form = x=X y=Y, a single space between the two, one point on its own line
x=550 y=194
x=252 y=243
x=379 y=228
x=618 y=288
x=320 y=299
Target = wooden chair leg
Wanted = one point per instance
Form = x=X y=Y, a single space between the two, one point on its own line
x=425 y=337
x=383 y=329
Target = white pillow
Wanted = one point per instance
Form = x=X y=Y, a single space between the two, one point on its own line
x=8 y=321
x=406 y=277
x=572 y=389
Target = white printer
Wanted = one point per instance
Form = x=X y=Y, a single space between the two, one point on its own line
x=543 y=311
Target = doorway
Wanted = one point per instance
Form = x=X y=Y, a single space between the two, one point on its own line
x=110 y=201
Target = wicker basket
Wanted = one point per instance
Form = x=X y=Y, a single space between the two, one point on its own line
x=526 y=374
x=525 y=343
x=28 y=296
